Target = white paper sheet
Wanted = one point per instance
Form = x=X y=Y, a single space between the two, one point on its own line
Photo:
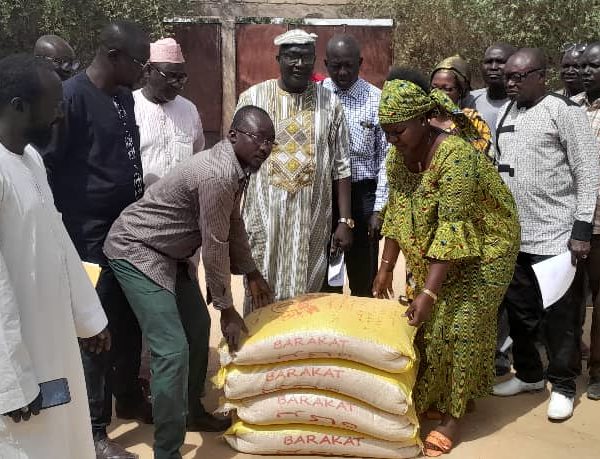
x=554 y=275
x=336 y=271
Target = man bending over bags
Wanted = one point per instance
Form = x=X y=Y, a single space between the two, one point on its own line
x=195 y=205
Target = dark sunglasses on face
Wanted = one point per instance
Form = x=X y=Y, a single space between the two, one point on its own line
x=171 y=79
x=259 y=140
x=517 y=77
x=133 y=59
x=65 y=66
x=297 y=60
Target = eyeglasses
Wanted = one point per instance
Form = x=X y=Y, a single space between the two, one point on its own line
x=133 y=59
x=298 y=60
x=259 y=140
x=178 y=78
x=575 y=47
x=64 y=65
x=517 y=77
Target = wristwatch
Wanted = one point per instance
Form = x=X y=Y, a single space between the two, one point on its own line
x=347 y=221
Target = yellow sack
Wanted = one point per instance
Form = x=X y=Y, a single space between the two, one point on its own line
x=93 y=271
x=314 y=440
x=387 y=391
x=365 y=330
x=323 y=408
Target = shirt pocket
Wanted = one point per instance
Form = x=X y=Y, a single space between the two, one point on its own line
x=363 y=137
x=183 y=147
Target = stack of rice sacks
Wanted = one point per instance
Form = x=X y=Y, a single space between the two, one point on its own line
x=323 y=374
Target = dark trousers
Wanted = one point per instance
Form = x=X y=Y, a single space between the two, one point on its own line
x=362 y=258
x=114 y=372
x=502 y=357
x=176 y=328
x=558 y=327
x=590 y=273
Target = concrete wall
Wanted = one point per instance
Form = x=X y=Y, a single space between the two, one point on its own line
x=271 y=8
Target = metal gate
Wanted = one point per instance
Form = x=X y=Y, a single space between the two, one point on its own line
x=252 y=58
x=201 y=46
x=255 y=51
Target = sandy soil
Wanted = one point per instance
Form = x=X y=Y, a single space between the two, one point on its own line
x=515 y=428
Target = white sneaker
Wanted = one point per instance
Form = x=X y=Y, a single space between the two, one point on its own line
x=560 y=407
x=515 y=386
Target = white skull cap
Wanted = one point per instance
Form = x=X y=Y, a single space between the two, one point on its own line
x=295 y=37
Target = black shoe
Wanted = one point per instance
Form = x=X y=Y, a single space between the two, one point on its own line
x=141 y=412
x=593 y=390
x=206 y=422
x=108 y=449
x=502 y=370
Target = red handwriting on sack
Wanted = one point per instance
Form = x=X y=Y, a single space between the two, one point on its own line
x=326 y=372
x=294 y=311
x=339 y=440
x=318 y=341
x=315 y=402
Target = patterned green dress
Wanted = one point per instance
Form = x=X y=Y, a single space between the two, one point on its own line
x=458 y=210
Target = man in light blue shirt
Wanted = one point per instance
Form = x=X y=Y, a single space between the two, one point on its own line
x=368 y=147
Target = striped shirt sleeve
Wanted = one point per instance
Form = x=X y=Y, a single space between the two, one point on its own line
x=582 y=152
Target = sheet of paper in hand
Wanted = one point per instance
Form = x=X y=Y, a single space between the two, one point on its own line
x=336 y=271
x=554 y=275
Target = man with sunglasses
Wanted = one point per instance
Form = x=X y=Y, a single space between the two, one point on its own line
x=289 y=203
x=196 y=205
x=95 y=172
x=548 y=157
x=59 y=53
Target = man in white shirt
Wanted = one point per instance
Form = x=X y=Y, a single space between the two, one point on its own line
x=170 y=126
x=46 y=298
x=548 y=158
x=170 y=133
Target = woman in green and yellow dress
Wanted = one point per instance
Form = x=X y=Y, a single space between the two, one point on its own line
x=456 y=223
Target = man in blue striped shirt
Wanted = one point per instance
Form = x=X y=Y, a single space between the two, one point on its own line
x=368 y=147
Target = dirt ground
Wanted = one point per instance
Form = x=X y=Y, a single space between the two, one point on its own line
x=515 y=428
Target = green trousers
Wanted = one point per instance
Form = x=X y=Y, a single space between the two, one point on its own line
x=176 y=328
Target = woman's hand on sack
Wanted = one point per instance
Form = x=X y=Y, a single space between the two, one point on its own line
x=419 y=310
x=382 y=285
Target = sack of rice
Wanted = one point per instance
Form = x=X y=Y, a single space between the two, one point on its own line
x=365 y=330
x=387 y=391
x=93 y=271
x=314 y=440
x=323 y=408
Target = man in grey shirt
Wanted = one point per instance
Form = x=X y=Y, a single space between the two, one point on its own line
x=195 y=205
x=549 y=159
x=490 y=99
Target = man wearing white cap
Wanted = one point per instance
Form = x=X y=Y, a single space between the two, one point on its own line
x=289 y=203
x=170 y=127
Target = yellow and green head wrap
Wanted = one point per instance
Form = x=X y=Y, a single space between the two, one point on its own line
x=403 y=100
